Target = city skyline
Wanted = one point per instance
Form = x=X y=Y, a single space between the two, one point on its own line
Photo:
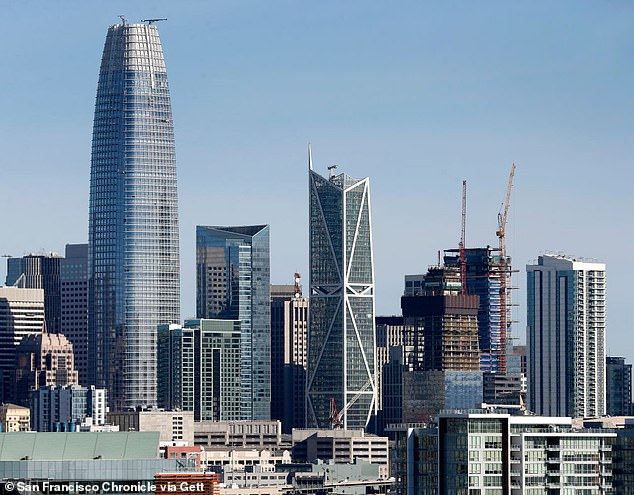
x=438 y=94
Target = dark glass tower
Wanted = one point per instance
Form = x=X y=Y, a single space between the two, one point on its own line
x=133 y=219
x=233 y=282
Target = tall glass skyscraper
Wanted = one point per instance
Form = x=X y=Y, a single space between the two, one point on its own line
x=233 y=282
x=341 y=332
x=133 y=218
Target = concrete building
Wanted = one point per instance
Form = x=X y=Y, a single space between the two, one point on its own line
x=74 y=304
x=133 y=236
x=239 y=460
x=233 y=282
x=200 y=368
x=43 y=360
x=289 y=335
x=21 y=314
x=496 y=453
x=65 y=408
x=341 y=447
x=566 y=337
x=238 y=434
x=39 y=271
x=618 y=387
x=15 y=418
x=341 y=362
x=443 y=367
x=172 y=426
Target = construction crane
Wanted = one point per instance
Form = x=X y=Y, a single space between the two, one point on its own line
x=152 y=21
x=504 y=269
x=461 y=246
x=336 y=416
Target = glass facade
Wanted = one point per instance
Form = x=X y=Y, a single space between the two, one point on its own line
x=199 y=369
x=133 y=217
x=233 y=282
x=341 y=335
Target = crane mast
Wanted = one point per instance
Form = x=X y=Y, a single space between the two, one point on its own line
x=505 y=271
x=463 y=260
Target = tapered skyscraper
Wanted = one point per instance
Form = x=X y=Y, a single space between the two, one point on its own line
x=133 y=217
x=341 y=334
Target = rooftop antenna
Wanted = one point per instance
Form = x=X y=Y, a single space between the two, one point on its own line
x=152 y=21
x=124 y=21
x=331 y=170
x=310 y=157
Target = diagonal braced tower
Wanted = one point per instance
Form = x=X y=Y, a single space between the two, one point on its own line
x=341 y=335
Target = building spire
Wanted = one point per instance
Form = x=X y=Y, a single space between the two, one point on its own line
x=310 y=157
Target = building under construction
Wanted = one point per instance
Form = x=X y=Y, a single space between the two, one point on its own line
x=443 y=367
x=487 y=276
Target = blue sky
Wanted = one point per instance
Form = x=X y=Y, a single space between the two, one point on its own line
x=418 y=96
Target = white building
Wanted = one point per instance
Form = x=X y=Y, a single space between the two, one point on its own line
x=566 y=337
x=21 y=314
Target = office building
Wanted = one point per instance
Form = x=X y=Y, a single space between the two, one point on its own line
x=225 y=435
x=497 y=453
x=172 y=426
x=21 y=314
x=618 y=387
x=43 y=360
x=74 y=311
x=289 y=334
x=133 y=247
x=566 y=337
x=15 y=418
x=341 y=447
x=233 y=282
x=64 y=408
x=199 y=368
x=39 y=271
x=341 y=333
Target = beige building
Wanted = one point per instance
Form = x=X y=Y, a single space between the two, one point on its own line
x=245 y=434
x=15 y=418
x=341 y=447
x=44 y=360
x=173 y=426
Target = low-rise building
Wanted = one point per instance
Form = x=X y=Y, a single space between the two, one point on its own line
x=341 y=447
x=15 y=418
x=236 y=434
x=173 y=426
x=55 y=408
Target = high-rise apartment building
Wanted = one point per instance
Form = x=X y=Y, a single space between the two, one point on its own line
x=39 y=271
x=341 y=334
x=233 y=282
x=133 y=250
x=566 y=337
x=289 y=335
x=200 y=369
x=63 y=408
x=74 y=296
x=21 y=314
x=618 y=387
